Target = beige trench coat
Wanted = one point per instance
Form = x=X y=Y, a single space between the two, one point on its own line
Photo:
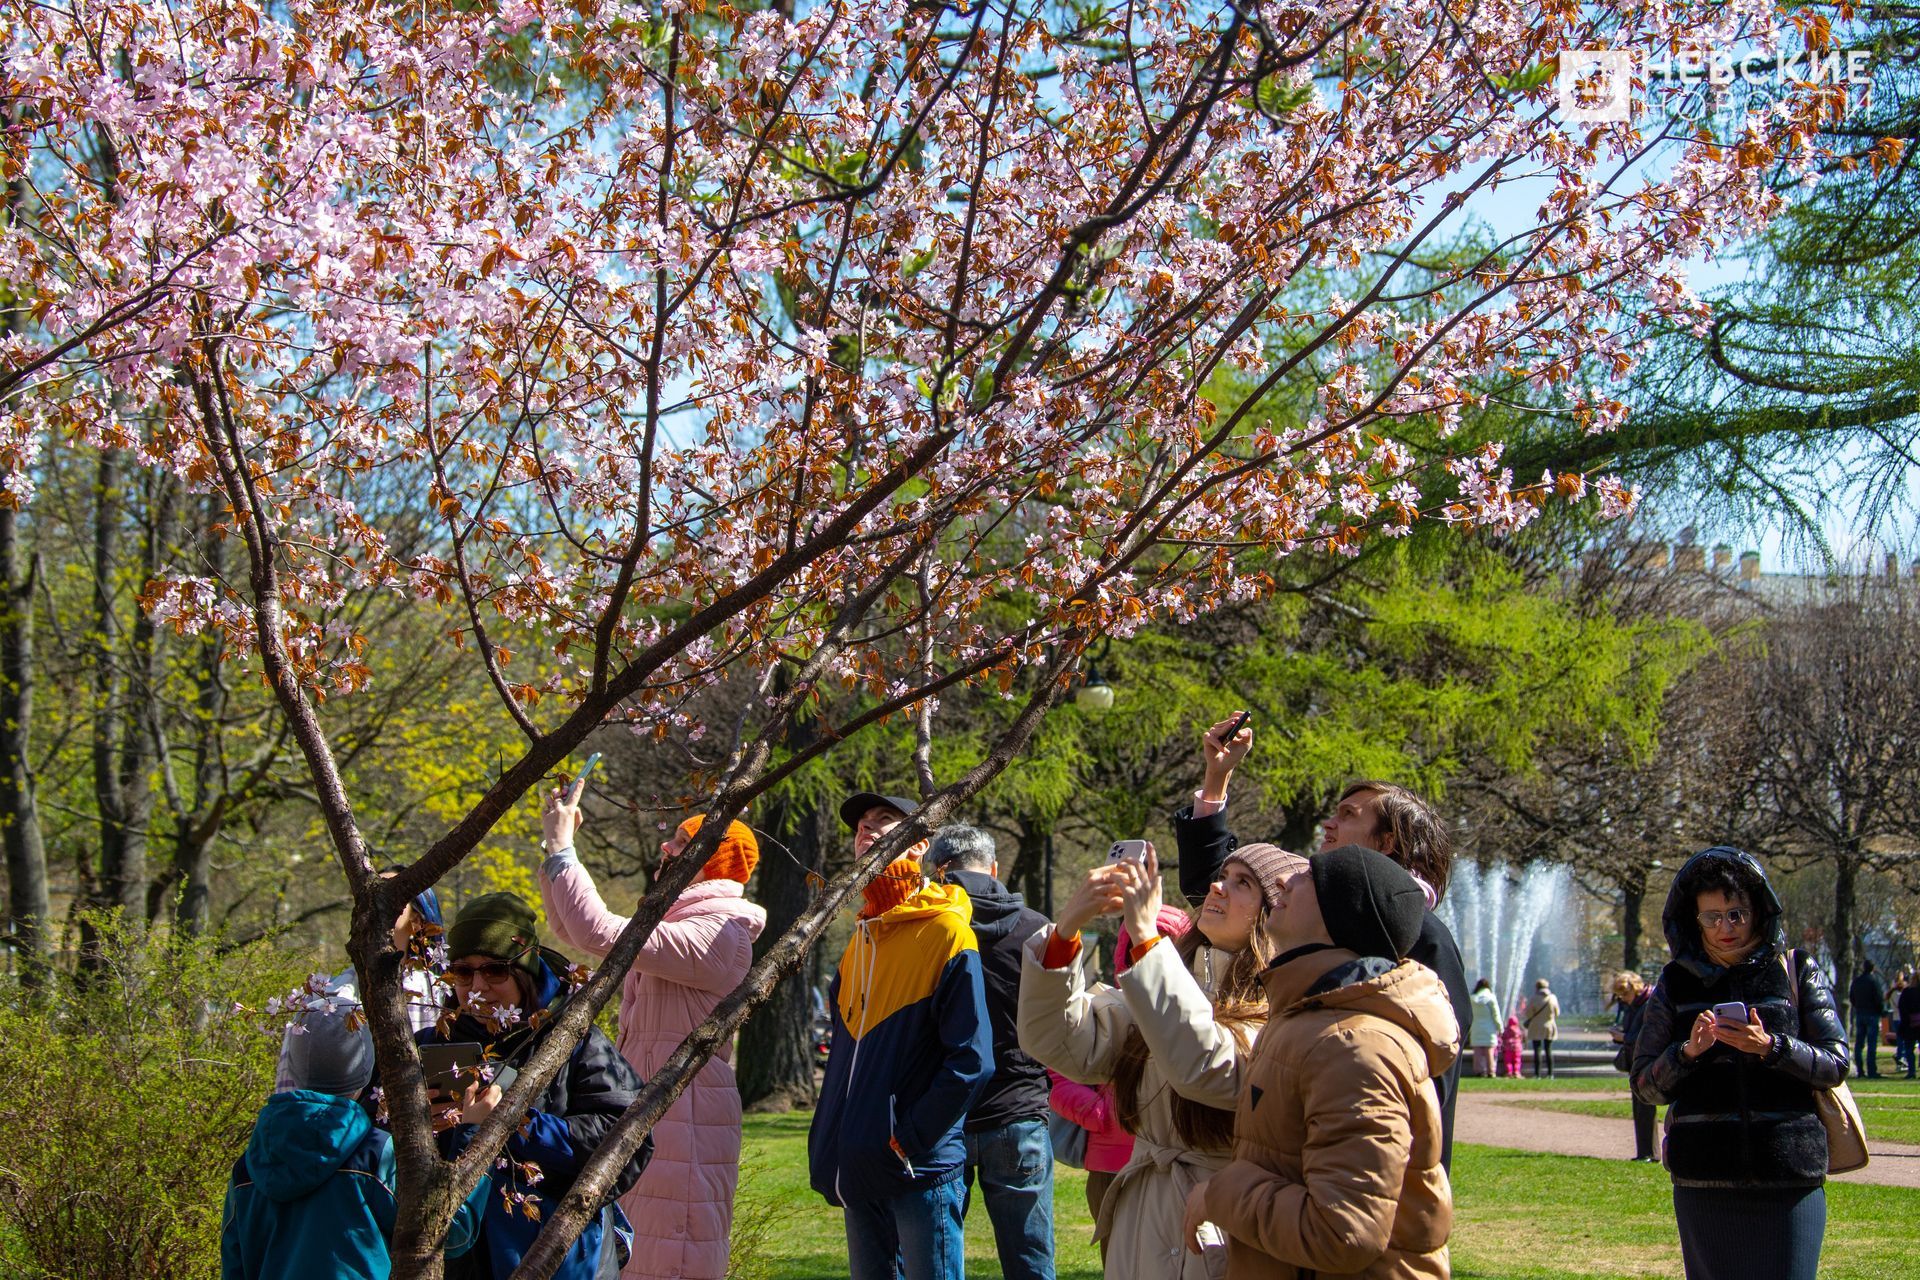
x=1079 y=1031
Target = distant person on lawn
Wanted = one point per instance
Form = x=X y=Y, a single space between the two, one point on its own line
x=1336 y=1142
x=912 y=1049
x=1630 y=994
x=1542 y=1024
x=1869 y=1006
x=1907 y=1010
x=1374 y=815
x=1485 y=1033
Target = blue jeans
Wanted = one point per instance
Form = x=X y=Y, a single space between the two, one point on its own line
x=920 y=1235
x=1015 y=1166
x=1866 y=1044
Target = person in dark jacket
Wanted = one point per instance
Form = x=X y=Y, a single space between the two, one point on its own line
x=1008 y=1147
x=313 y=1197
x=1869 y=1005
x=1376 y=815
x=506 y=987
x=1745 y=1145
x=1630 y=994
x=912 y=1049
x=1907 y=1011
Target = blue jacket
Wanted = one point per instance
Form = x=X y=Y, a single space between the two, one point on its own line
x=564 y=1127
x=912 y=1047
x=313 y=1196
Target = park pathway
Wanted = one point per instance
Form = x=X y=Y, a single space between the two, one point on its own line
x=1505 y=1120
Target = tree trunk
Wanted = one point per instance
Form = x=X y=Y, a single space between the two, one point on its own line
x=28 y=903
x=1028 y=875
x=1840 y=941
x=775 y=1064
x=1633 y=900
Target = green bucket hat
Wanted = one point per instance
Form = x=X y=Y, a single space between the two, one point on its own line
x=500 y=925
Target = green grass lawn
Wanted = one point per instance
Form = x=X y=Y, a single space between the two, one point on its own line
x=1517 y=1216
x=1527 y=1084
x=784 y=1231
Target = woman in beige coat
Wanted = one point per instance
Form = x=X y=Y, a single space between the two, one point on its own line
x=1170 y=1038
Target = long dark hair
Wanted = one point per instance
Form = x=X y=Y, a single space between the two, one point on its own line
x=1239 y=1005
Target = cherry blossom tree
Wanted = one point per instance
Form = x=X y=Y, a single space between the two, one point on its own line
x=862 y=344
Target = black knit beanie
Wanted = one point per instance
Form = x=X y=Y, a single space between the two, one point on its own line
x=1370 y=904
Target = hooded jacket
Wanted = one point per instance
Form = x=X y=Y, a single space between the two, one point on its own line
x=1736 y=1119
x=682 y=1208
x=912 y=1047
x=1336 y=1154
x=1002 y=923
x=562 y=1129
x=1205 y=844
x=313 y=1197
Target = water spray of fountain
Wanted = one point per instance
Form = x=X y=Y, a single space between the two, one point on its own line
x=1497 y=914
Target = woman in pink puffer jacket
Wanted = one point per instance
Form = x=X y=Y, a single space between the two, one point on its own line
x=682 y=1207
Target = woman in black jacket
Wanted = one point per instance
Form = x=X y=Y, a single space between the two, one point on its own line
x=1746 y=1149
x=506 y=989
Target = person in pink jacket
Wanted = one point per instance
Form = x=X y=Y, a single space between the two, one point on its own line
x=682 y=1207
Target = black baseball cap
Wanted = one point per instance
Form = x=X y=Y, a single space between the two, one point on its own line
x=856 y=805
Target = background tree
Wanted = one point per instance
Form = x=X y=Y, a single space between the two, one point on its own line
x=1828 y=736
x=866 y=346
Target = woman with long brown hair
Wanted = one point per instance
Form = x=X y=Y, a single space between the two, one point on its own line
x=1170 y=1038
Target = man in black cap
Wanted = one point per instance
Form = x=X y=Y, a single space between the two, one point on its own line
x=870 y=815
x=1355 y=1036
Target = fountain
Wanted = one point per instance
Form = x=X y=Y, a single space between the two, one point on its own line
x=1498 y=915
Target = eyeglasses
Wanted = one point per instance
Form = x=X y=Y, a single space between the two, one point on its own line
x=492 y=971
x=1736 y=917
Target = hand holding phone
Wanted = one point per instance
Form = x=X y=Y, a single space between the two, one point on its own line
x=1222 y=748
x=1134 y=851
x=1731 y=1011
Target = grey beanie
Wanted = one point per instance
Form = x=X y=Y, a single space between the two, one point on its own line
x=329 y=1048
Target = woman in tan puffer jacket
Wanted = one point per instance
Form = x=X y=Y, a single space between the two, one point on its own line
x=1336 y=1171
x=1171 y=1038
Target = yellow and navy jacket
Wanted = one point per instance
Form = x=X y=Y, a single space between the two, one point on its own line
x=911 y=1049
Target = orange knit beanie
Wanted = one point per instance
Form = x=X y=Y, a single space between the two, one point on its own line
x=734 y=858
x=895 y=883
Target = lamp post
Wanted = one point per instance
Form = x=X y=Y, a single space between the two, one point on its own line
x=1096 y=694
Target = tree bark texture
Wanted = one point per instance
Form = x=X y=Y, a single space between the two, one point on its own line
x=28 y=904
x=775 y=1058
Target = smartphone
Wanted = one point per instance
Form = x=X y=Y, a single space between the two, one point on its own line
x=1134 y=851
x=586 y=770
x=1239 y=722
x=1732 y=1011
x=445 y=1063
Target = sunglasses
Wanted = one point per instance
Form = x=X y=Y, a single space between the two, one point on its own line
x=1736 y=917
x=492 y=971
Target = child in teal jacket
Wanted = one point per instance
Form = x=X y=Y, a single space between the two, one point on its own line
x=313 y=1197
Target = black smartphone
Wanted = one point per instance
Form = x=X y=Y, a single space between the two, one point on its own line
x=1239 y=722
x=447 y=1065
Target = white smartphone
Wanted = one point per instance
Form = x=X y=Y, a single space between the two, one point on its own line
x=1134 y=851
